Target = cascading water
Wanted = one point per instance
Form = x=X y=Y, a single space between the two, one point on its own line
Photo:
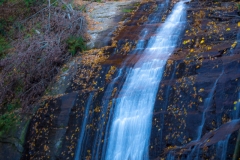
x=222 y=148
x=131 y=124
x=157 y=18
x=105 y=102
x=96 y=148
x=139 y=47
x=207 y=106
x=141 y=42
x=222 y=145
x=84 y=123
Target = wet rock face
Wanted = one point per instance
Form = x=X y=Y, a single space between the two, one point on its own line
x=207 y=54
x=56 y=127
x=48 y=128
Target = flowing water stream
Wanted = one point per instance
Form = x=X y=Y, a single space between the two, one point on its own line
x=152 y=98
x=222 y=145
x=207 y=105
x=83 y=129
x=128 y=125
x=131 y=124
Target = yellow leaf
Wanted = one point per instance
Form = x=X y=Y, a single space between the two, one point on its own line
x=97 y=109
x=238 y=24
x=202 y=41
x=201 y=90
x=228 y=29
x=209 y=48
x=186 y=41
x=46 y=147
x=234 y=44
x=235 y=102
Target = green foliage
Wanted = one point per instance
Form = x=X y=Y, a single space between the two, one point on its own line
x=2 y=26
x=238 y=5
x=2 y=1
x=12 y=106
x=64 y=69
x=82 y=8
x=8 y=121
x=29 y=3
x=64 y=7
x=136 y=4
x=4 y=45
x=76 y=44
x=127 y=10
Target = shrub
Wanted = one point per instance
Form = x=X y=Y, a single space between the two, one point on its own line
x=4 y=45
x=238 y=5
x=2 y=1
x=76 y=44
x=127 y=10
x=7 y=121
x=36 y=59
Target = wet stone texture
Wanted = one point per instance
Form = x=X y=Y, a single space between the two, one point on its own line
x=56 y=127
x=208 y=54
x=205 y=64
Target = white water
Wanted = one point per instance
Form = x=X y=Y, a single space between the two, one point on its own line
x=139 y=47
x=141 y=42
x=131 y=124
x=96 y=149
x=105 y=102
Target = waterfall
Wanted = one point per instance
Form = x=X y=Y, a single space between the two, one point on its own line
x=141 y=42
x=99 y=148
x=222 y=148
x=222 y=145
x=105 y=102
x=82 y=133
x=139 y=47
x=207 y=106
x=131 y=123
x=158 y=18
